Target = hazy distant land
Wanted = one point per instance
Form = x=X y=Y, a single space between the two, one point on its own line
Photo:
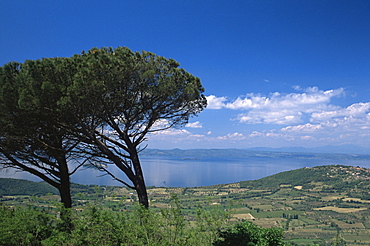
x=301 y=153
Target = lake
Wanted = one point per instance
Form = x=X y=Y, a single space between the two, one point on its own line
x=173 y=171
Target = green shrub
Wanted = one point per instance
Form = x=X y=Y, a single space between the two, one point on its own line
x=24 y=226
x=248 y=234
x=136 y=227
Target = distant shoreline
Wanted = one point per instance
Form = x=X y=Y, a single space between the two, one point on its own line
x=189 y=154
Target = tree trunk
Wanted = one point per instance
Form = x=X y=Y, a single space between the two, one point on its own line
x=139 y=182
x=141 y=192
x=65 y=183
x=65 y=193
x=65 y=211
x=65 y=196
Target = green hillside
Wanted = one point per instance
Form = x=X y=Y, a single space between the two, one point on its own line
x=11 y=187
x=338 y=176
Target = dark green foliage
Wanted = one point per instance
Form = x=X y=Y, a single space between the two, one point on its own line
x=295 y=177
x=129 y=94
x=25 y=226
x=11 y=187
x=92 y=227
x=57 y=114
x=25 y=187
x=99 y=226
x=32 y=138
x=248 y=234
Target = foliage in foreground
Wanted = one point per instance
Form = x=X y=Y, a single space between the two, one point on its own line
x=140 y=226
x=247 y=233
x=24 y=226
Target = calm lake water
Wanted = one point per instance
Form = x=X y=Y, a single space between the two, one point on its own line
x=183 y=172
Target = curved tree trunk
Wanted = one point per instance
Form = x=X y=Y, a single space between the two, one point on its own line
x=139 y=182
x=65 y=183
x=141 y=192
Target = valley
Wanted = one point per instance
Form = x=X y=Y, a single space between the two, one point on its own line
x=313 y=205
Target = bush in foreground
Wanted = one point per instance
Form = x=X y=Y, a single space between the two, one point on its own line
x=139 y=226
x=248 y=234
x=26 y=226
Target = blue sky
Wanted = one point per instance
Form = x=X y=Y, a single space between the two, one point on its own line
x=276 y=73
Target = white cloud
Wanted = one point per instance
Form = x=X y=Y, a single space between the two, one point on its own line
x=214 y=102
x=302 y=128
x=308 y=118
x=272 y=117
x=344 y=125
x=278 y=108
x=233 y=136
x=171 y=132
x=354 y=118
x=272 y=134
x=197 y=136
x=297 y=88
x=160 y=124
x=313 y=96
x=250 y=102
x=256 y=134
x=195 y=124
x=358 y=110
x=307 y=137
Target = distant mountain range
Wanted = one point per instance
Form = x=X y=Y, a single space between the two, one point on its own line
x=337 y=149
x=327 y=152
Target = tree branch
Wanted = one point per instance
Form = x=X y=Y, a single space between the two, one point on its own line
x=16 y=163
